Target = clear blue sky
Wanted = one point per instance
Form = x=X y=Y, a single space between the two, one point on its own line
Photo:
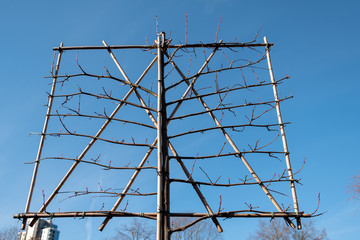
x=315 y=43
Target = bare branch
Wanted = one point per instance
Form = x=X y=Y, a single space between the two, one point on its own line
x=217 y=32
x=226 y=108
x=244 y=182
x=206 y=175
x=228 y=154
x=188 y=225
x=122 y=142
x=100 y=116
x=267 y=126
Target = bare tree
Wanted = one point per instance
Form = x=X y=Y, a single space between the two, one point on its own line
x=135 y=230
x=277 y=230
x=204 y=230
x=140 y=230
x=354 y=187
x=274 y=230
x=9 y=233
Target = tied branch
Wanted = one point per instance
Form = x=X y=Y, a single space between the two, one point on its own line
x=105 y=193
x=226 y=90
x=100 y=116
x=240 y=127
x=96 y=162
x=121 y=142
x=218 y=70
x=66 y=78
x=243 y=181
x=104 y=95
x=247 y=104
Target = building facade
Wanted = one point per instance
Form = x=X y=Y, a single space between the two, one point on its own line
x=42 y=230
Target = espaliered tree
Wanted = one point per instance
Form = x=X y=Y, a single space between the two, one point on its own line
x=214 y=122
x=277 y=230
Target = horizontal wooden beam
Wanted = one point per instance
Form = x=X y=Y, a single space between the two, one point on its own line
x=243 y=214
x=198 y=45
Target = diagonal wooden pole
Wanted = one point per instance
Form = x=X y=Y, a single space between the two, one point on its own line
x=194 y=80
x=232 y=143
x=182 y=165
x=43 y=134
x=128 y=186
x=283 y=136
x=196 y=188
x=163 y=193
x=129 y=82
x=88 y=147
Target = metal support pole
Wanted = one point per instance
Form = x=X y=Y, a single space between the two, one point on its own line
x=282 y=132
x=163 y=193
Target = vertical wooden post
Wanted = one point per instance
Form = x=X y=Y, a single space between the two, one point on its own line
x=42 y=139
x=163 y=193
x=282 y=132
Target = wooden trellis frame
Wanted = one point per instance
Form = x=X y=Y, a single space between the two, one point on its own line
x=163 y=143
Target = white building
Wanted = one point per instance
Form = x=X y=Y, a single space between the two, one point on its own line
x=42 y=230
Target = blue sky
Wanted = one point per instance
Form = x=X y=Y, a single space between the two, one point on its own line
x=315 y=44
